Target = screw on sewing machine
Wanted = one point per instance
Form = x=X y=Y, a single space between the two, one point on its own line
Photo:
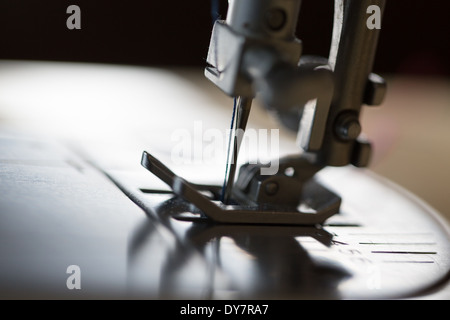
x=276 y=19
x=348 y=127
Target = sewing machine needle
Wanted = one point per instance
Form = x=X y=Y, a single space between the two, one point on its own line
x=242 y=114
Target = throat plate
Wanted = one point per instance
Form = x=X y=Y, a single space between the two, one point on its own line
x=383 y=244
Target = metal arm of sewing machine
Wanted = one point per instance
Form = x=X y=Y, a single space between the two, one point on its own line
x=255 y=53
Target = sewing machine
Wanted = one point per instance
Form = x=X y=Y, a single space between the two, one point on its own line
x=310 y=223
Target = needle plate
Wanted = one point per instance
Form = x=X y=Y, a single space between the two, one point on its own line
x=384 y=243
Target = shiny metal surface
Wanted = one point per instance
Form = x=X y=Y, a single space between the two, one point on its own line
x=63 y=212
x=59 y=208
x=386 y=246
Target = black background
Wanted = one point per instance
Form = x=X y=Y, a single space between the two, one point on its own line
x=415 y=37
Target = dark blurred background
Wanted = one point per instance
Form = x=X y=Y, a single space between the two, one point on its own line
x=414 y=39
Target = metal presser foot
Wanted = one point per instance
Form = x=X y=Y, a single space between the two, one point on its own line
x=251 y=203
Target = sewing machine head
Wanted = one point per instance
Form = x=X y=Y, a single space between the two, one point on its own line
x=255 y=53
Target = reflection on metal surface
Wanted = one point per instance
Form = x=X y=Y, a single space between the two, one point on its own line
x=383 y=244
x=261 y=261
x=56 y=210
x=395 y=249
